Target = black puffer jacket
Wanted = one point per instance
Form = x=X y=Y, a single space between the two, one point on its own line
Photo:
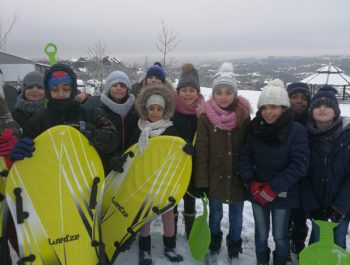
x=105 y=137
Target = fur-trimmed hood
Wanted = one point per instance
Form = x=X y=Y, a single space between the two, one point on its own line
x=163 y=90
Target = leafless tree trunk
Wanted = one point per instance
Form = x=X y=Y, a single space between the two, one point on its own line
x=4 y=33
x=167 y=40
x=98 y=51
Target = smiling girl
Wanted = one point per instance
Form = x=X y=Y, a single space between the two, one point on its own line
x=155 y=105
x=188 y=101
x=221 y=132
x=273 y=159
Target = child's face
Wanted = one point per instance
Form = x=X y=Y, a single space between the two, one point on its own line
x=271 y=113
x=118 y=91
x=298 y=103
x=34 y=93
x=153 y=80
x=61 y=91
x=155 y=113
x=224 y=97
x=323 y=114
x=188 y=94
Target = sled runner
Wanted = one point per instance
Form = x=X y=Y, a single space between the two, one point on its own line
x=324 y=252
x=52 y=198
x=150 y=184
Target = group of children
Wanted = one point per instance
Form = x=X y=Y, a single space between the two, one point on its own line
x=292 y=160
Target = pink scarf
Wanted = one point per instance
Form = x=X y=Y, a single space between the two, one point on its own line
x=224 y=120
x=192 y=109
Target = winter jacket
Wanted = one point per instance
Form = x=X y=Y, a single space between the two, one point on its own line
x=328 y=180
x=281 y=165
x=125 y=127
x=187 y=127
x=216 y=161
x=105 y=137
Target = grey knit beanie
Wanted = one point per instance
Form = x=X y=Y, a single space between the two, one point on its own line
x=189 y=77
x=114 y=78
x=33 y=79
x=225 y=78
x=274 y=94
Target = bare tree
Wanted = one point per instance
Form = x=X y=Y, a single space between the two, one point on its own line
x=167 y=40
x=5 y=32
x=98 y=51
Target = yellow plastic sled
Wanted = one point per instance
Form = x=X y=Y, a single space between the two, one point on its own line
x=52 y=197
x=150 y=184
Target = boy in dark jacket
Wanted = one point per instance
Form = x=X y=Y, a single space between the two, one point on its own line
x=61 y=88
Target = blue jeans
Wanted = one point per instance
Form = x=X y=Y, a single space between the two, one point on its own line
x=235 y=218
x=339 y=232
x=280 y=229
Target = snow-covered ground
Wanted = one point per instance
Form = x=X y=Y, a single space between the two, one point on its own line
x=247 y=258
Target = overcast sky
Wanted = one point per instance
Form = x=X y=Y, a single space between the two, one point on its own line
x=208 y=29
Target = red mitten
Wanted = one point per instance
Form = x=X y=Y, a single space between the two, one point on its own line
x=268 y=193
x=260 y=199
x=255 y=187
x=7 y=142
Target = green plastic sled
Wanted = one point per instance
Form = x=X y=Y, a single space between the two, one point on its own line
x=325 y=251
x=199 y=239
x=51 y=50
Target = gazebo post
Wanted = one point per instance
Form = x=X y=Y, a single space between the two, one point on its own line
x=344 y=92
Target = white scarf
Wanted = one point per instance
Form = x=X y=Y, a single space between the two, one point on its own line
x=150 y=129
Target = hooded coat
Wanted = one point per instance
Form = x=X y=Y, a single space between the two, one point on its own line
x=328 y=180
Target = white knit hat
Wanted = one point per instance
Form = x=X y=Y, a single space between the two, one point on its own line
x=155 y=100
x=274 y=94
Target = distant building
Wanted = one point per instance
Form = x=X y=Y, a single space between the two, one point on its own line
x=14 y=68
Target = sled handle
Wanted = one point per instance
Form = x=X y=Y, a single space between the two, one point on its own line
x=51 y=50
x=21 y=215
x=93 y=195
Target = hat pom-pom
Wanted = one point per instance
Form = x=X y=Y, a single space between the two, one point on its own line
x=187 y=68
x=328 y=88
x=158 y=64
x=276 y=82
x=226 y=67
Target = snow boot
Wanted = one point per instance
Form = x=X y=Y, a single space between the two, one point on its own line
x=233 y=247
x=189 y=219
x=263 y=258
x=169 y=249
x=278 y=260
x=214 y=249
x=145 y=257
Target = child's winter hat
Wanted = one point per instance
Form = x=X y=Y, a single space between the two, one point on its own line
x=156 y=70
x=116 y=77
x=326 y=95
x=155 y=100
x=299 y=87
x=61 y=74
x=189 y=77
x=153 y=94
x=225 y=78
x=274 y=94
x=33 y=79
